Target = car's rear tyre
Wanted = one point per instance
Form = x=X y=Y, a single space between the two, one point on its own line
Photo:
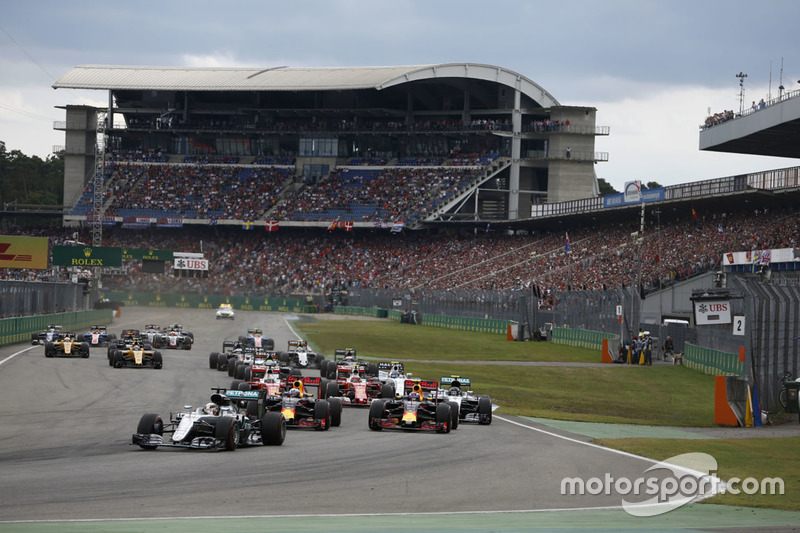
x=49 y=349
x=387 y=391
x=336 y=411
x=322 y=411
x=150 y=424
x=248 y=373
x=333 y=389
x=484 y=410
x=119 y=360
x=158 y=360
x=85 y=350
x=372 y=369
x=375 y=413
x=323 y=368
x=212 y=359
x=444 y=416
x=273 y=429
x=232 y=368
x=453 y=415
x=235 y=384
x=222 y=362
x=228 y=432
x=252 y=410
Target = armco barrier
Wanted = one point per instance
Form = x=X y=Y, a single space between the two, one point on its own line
x=583 y=338
x=481 y=325
x=200 y=301
x=15 y=330
x=712 y=362
x=361 y=311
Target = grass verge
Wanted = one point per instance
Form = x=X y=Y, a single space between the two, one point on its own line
x=741 y=458
x=653 y=395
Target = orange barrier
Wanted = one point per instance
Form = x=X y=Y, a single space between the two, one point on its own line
x=509 y=336
x=605 y=357
x=723 y=414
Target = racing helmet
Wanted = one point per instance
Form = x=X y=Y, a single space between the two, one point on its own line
x=394 y=374
x=211 y=409
x=294 y=393
x=454 y=391
x=414 y=396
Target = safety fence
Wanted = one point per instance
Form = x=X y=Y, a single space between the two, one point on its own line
x=361 y=311
x=480 y=325
x=199 y=301
x=582 y=338
x=713 y=362
x=15 y=330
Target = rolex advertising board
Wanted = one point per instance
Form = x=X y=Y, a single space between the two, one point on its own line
x=87 y=256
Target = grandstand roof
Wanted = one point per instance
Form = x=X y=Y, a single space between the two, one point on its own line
x=110 y=77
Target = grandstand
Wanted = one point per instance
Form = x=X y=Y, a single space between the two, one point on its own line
x=476 y=142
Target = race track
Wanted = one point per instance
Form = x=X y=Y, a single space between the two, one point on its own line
x=67 y=423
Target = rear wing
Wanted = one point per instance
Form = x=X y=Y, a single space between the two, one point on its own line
x=242 y=395
x=342 y=352
x=228 y=344
x=295 y=345
x=97 y=326
x=455 y=381
x=386 y=366
x=420 y=385
x=307 y=381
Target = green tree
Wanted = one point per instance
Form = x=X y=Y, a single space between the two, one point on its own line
x=605 y=187
x=30 y=180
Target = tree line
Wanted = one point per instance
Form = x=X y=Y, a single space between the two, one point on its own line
x=30 y=180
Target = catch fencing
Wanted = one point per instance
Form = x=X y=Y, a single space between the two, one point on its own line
x=27 y=298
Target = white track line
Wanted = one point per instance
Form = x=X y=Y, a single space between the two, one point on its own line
x=13 y=355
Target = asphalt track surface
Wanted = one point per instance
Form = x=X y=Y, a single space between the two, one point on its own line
x=67 y=463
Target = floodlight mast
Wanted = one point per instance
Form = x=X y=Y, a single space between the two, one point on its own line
x=741 y=77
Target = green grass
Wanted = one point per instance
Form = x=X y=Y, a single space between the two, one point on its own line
x=391 y=340
x=654 y=395
x=742 y=458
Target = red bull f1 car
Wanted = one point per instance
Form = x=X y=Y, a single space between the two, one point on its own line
x=419 y=409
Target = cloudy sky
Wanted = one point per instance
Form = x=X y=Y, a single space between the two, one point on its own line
x=653 y=69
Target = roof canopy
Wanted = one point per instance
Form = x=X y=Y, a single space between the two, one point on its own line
x=109 y=77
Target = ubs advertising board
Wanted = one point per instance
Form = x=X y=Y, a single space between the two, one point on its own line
x=708 y=312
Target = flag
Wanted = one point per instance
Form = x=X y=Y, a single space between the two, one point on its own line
x=488 y=227
x=334 y=225
x=694 y=213
x=248 y=225
x=566 y=242
x=398 y=226
x=272 y=225
x=348 y=226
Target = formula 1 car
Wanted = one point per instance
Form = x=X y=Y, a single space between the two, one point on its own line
x=302 y=410
x=471 y=407
x=225 y=311
x=176 y=338
x=414 y=411
x=300 y=356
x=48 y=334
x=137 y=356
x=98 y=336
x=255 y=337
x=264 y=372
x=126 y=339
x=218 y=426
x=152 y=334
x=354 y=385
x=65 y=345
x=344 y=361
x=393 y=374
